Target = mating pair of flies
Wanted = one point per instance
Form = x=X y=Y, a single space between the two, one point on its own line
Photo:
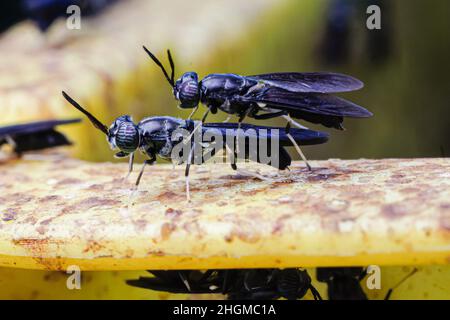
x=291 y=95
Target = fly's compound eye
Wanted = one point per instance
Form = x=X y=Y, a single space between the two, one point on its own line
x=189 y=94
x=127 y=137
x=293 y=283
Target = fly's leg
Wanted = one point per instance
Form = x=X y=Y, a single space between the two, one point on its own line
x=269 y=115
x=244 y=172
x=233 y=157
x=315 y=293
x=389 y=293
x=197 y=126
x=146 y=162
x=241 y=118
x=138 y=180
x=297 y=147
x=295 y=123
x=130 y=166
x=193 y=112
x=11 y=141
x=206 y=114
x=184 y=280
x=252 y=174
x=186 y=172
x=227 y=119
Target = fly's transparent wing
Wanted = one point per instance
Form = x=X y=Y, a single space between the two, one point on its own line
x=315 y=82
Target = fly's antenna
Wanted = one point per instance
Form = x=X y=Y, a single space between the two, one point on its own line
x=170 y=79
x=93 y=119
x=172 y=66
x=389 y=293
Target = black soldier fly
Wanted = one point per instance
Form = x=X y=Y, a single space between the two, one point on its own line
x=236 y=284
x=289 y=95
x=34 y=136
x=158 y=136
x=344 y=283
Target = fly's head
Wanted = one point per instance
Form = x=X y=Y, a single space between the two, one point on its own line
x=187 y=90
x=293 y=283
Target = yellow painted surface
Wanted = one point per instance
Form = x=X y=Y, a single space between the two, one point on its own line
x=343 y=213
x=429 y=282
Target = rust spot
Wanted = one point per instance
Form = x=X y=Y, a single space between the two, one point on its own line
x=245 y=235
x=166 y=230
x=46 y=221
x=41 y=229
x=393 y=211
x=157 y=253
x=93 y=246
x=227 y=184
x=49 y=198
x=17 y=198
x=277 y=184
x=34 y=243
x=140 y=224
x=322 y=177
x=38 y=249
x=279 y=224
x=89 y=203
x=252 y=192
x=69 y=181
x=173 y=213
x=96 y=187
x=170 y=196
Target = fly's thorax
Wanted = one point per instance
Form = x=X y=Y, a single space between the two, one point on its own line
x=187 y=90
x=124 y=135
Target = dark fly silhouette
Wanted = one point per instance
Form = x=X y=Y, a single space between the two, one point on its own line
x=305 y=96
x=344 y=283
x=236 y=284
x=44 y=12
x=34 y=136
x=158 y=136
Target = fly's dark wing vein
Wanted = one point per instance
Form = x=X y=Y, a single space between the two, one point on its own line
x=314 y=103
x=315 y=82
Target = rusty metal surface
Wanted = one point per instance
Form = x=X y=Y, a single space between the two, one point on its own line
x=61 y=211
